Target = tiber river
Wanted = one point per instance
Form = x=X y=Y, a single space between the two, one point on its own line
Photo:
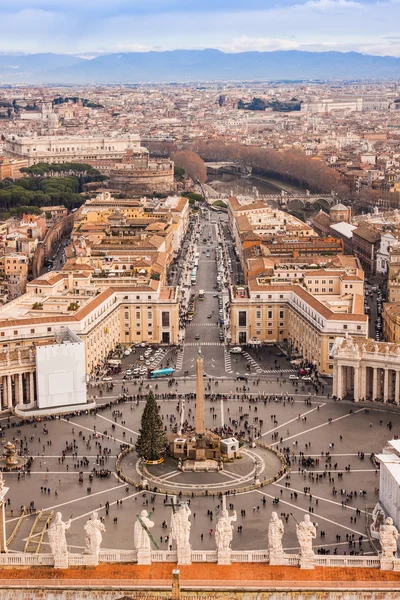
x=247 y=186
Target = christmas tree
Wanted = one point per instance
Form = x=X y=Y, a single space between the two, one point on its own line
x=151 y=442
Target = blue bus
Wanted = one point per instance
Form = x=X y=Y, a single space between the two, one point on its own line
x=162 y=372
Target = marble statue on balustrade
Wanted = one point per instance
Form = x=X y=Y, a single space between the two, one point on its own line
x=275 y=535
x=306 y=533
x=180 y=532
x=58 y=541
x=388 y=536
x=141 y=538
x=93 y=535
x=224 y=536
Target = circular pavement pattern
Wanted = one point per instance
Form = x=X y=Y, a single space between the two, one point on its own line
x=76 y=445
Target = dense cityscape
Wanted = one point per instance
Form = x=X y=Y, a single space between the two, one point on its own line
x=199 y=335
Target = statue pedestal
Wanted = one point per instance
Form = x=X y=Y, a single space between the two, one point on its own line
x=91 y=560
x=387 y=564
x=277 y=558
x=144 y=557
x=3 y=537
x=61 y=561
x=185 y=555
x=307 y=562
x=224 y=557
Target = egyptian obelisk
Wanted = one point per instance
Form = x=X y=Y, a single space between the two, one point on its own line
x=200 y=430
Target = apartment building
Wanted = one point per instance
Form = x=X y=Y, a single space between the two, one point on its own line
x=254 y=223
x=11 y=167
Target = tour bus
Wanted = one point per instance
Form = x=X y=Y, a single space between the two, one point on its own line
x=161 y=372
x=201 y=295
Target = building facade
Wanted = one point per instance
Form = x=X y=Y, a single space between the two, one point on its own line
x=292 y=315
x=101 y=314
x=366 y=370
x=66 y=148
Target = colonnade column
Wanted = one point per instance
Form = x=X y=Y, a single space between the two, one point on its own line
x=9 y=391
x=20 y=398
x=356 y=384
x=397 y=388
x=335 y=379
x=31 y=388
x=339 y=381
x=374 y=383
x=386 y=385
x=363 y=382
x=4 y=382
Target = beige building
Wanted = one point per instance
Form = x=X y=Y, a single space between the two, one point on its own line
x=308 y=322
x=366 y=370
x=11 y=167
x=255 y=222
x=14 y=268
x=66 y=148
x=130 y=311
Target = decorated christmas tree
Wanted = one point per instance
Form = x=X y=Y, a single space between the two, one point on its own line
x=151 y=443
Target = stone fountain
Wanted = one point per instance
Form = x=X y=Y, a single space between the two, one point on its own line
x=11 y=461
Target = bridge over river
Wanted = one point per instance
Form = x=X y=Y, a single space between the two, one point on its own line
x=286 y=200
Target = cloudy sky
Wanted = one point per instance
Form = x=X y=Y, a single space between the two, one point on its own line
x=95 y=26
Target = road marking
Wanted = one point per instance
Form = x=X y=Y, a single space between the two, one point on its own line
x=98 y=509
x=117 y=424
x=228 y=361
x=107 y=491
x=292 y=420
x=168 y=475
x=337 y=471
x=313 y=515
x=317 y=497
x=94 y=431
x=179 y=360
x=222 y=413
x=319 y=426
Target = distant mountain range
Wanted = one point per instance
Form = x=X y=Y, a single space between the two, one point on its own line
x=194 y=65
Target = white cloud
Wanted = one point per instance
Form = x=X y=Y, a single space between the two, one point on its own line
x=311 y=25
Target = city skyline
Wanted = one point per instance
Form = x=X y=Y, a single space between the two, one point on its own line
x=89 y=28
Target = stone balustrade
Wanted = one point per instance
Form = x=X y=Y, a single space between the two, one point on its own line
x=21 y=559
